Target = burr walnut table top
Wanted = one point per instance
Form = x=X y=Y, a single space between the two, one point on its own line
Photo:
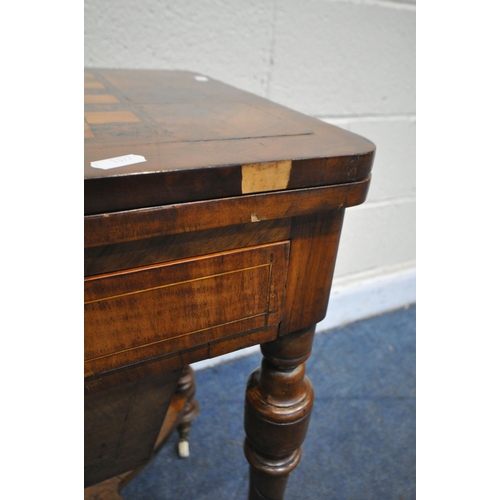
x=202 y=139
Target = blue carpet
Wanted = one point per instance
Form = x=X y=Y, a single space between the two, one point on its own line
x=361 y=439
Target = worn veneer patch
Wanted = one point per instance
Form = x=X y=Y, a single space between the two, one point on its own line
x=269 y=176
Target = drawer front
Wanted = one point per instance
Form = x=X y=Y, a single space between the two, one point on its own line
x=140 y=314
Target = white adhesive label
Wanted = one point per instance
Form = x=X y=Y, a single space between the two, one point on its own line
x=119 y=161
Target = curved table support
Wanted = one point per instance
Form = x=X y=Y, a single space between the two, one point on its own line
x=183 y=409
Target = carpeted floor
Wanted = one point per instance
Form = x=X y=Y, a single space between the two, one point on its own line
x=361 y=439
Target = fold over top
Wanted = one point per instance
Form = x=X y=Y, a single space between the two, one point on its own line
x=160 y=137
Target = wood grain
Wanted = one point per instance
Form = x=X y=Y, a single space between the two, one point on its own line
x=140 y=314
x=182 y=410
x=314 y=245
x=278 y=405
x=181 y=126
x=224 y=238
x=261 y=177
x=123 y=423
x=130 y=254
x=134 y=225
x=94 y=118
x=171 y=361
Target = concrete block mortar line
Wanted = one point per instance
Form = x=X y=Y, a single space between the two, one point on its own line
x=271 y=48
x=339 y=120
x=368 y=205
x=391 y=4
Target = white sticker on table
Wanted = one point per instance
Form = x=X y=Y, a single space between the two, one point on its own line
x=119 y=161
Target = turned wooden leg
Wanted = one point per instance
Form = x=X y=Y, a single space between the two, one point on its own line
x=187 y=388
x=278 y=406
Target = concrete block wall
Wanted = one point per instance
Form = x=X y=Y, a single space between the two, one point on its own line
x=348 y=62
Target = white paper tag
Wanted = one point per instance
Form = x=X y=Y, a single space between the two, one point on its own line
x=119 y=161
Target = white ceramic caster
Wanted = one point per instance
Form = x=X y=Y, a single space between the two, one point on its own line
x=183 y=448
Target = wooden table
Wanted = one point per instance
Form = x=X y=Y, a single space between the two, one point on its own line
x=212 y=225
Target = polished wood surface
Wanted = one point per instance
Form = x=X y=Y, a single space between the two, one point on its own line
x=224 y=237
x=122 y=424
x=203 y=139
x=181 y=305
x=183 y=409
x=278 y=405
